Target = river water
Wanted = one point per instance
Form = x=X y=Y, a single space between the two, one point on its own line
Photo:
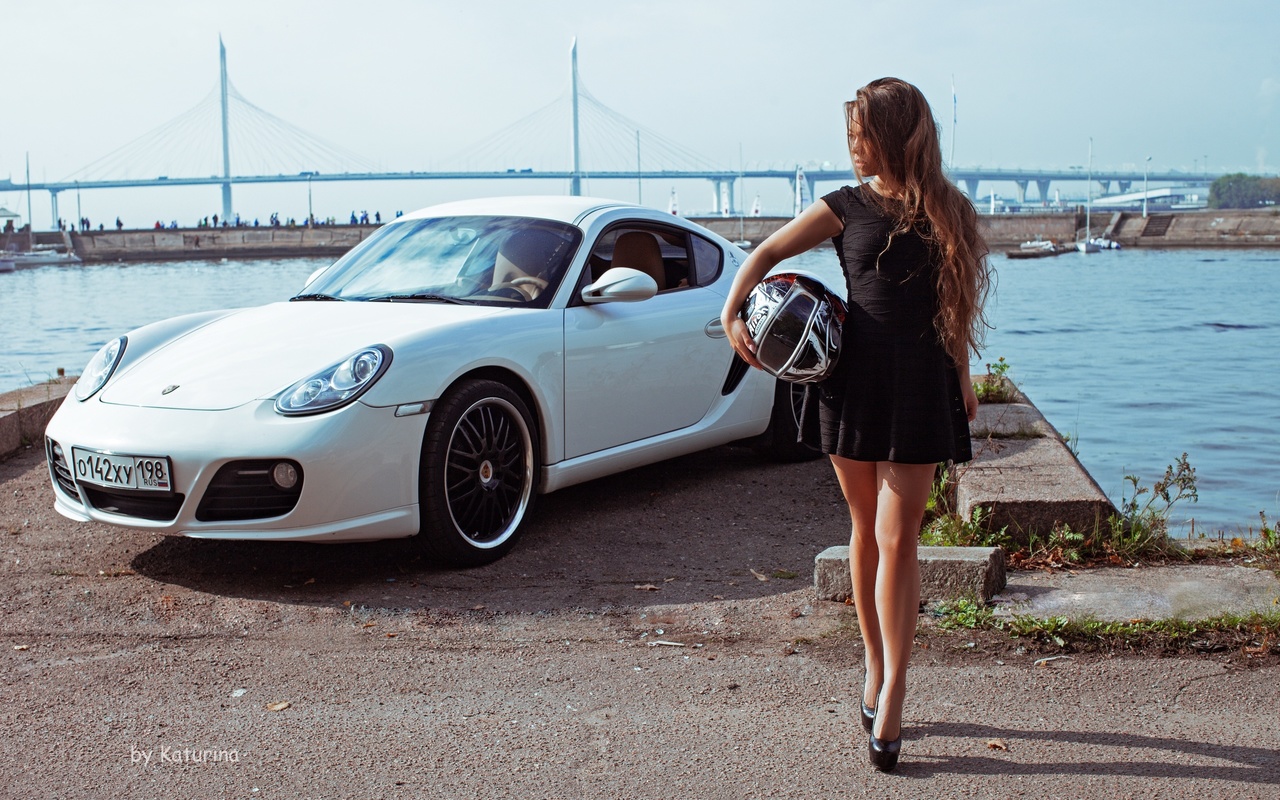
x=1138 y=355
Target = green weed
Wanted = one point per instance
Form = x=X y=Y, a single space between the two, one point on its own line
x=1255 y=633
x=995 y=386
x=965 y=612
x=1268 y=536
x=939 y=501
x=953 y=530
x=1062 y=544
x=1142 y=527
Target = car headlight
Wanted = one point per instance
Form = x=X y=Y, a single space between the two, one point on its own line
x=98 y=371
x=335 y=386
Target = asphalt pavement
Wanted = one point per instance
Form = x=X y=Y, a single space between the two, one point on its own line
x=654 y=635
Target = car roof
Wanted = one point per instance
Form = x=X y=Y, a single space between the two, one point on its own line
x=564 y=208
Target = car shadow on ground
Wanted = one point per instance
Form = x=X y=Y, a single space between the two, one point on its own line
x=712 y=525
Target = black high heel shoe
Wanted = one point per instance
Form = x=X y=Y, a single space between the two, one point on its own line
x=884 y=755
x=868 y=717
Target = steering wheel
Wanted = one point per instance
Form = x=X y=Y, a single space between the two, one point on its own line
x=526 y=286
x=529 y=280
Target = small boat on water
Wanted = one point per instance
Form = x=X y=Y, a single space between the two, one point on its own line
x=38 y=258
x=1040 y=248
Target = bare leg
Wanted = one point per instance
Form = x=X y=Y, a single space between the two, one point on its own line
x=903 y=491
x=859 y=483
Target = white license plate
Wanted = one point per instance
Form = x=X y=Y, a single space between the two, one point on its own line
x=149 y=473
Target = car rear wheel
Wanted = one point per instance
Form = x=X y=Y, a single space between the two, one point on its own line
x=479 y=462
x=779 y=442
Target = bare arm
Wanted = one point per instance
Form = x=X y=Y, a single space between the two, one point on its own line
x=816 y=224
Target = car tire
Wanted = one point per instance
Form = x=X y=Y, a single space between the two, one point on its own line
x=780 y=441
x=478 y=473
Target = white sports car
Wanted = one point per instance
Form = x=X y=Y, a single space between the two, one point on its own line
x=432 y=381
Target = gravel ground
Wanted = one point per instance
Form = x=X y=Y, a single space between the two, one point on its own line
x=627 y=648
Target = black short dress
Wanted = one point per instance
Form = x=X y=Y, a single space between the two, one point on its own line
x=895 y=394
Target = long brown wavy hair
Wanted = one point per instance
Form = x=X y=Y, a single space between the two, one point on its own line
x=897 y=123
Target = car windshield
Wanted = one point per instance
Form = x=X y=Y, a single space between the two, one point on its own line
x=510 y=261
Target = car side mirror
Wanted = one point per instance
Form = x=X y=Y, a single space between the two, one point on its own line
x=620 y=285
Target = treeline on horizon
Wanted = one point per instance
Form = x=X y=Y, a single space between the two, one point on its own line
x=1239 y=190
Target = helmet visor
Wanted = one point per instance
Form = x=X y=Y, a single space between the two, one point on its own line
x=789 y=328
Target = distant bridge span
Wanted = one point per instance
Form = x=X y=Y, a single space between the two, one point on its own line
x=726 y=180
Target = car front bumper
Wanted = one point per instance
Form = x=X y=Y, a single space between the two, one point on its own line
x=359 y=467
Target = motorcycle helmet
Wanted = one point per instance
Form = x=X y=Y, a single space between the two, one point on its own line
x=795 y=321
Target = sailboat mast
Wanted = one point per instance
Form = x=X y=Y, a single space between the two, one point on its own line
x=742 y=192
x=31 y=223
x=1088 y=197
x=951 y=162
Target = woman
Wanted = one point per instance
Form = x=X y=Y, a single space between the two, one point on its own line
x=900 y=399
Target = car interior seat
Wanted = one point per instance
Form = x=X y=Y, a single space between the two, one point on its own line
x=640 y=250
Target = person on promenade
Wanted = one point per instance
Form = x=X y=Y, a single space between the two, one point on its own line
x=900 y=399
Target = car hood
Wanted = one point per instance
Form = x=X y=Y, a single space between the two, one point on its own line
x=258 y=352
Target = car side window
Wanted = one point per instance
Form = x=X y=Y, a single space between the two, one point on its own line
x=659 y=252
x=707 y=261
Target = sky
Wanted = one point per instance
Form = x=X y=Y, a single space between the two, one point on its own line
x=405 y=85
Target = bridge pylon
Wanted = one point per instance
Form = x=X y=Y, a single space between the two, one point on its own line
x=226 y=138
x=575 y=183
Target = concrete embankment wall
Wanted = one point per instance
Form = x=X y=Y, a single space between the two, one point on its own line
x=1167 y=229
x=24 y=413
x=1223 y=228
x=1210 y=228
x=998 y=230
x=161 y=244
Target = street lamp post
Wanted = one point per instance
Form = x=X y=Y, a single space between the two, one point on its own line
x=1145 y=169
x=310 y=215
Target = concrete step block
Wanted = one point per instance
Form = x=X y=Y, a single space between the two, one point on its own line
x=1029 y=486
x=24 y=413
x=946 y=573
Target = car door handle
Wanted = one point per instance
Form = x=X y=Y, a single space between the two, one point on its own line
x=714 y=329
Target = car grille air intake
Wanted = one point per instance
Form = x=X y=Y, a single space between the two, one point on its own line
x=60 y=470
x=130 y=503
x=246 y=490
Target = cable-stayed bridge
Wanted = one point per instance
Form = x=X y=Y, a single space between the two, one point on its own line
x=200 y=146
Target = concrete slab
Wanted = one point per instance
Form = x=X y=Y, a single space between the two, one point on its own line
x=1184 y=591
x=1030 y=485
x=945 y=573
x=1010 y=421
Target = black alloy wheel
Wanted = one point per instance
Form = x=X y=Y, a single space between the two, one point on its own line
x=478 y=471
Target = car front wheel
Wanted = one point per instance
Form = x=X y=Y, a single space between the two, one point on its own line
x=479 y=462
